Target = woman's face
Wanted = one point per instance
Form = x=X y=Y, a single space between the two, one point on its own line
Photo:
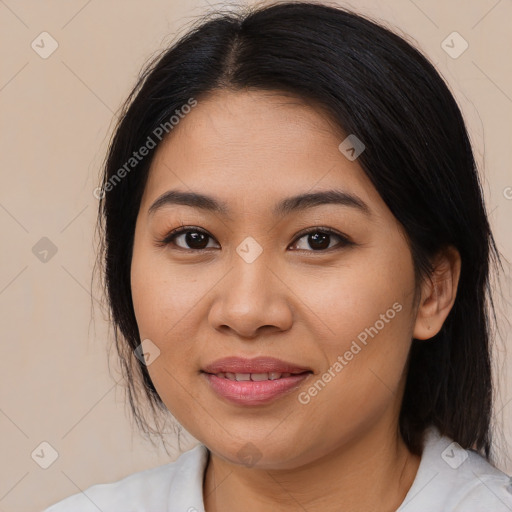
x=257 y=285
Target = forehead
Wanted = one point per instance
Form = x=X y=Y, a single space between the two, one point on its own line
x=255 y=146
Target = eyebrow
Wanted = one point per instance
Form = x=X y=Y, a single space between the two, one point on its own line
x=285 y=207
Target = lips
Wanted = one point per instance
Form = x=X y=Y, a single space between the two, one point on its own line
x=259 y=368
x=255 y=377
x=254 y=393
x=253 y=382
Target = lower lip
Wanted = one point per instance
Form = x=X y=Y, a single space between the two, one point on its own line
x=250 y=392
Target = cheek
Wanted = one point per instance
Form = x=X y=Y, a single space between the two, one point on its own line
x=345 y=301
x=163 y=302
x=169 y=309
x=363 y=314
x=163 y=296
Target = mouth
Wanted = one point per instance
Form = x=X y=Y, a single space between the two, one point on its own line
x=255 y=377
x=252 y=382
x=261 y=368
x=249 y=392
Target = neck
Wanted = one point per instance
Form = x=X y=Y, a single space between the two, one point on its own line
x=371 y=473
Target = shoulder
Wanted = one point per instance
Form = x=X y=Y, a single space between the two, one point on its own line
x=151 y=489
x=477 y=485
x=452 y=479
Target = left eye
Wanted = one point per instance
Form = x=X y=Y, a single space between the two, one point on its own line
x=319 y=239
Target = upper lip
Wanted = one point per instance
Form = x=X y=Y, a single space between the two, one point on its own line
x=256 y=365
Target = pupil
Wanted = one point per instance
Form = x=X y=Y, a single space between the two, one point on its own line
x=192 y=237
x=319 y=238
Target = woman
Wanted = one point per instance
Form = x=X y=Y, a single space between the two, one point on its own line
x=297 y=260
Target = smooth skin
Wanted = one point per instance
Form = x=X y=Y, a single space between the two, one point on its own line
x=296 y=302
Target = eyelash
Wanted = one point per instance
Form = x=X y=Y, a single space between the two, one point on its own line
x=169 y=238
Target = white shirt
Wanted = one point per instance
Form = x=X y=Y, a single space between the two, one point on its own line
x=449 y=479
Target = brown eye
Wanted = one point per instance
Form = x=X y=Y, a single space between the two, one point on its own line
x=320 y=239
x=188 y=238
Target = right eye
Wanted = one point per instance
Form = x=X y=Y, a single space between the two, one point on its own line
x=192 y=238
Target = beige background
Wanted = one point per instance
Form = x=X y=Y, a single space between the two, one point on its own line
x=56 y=117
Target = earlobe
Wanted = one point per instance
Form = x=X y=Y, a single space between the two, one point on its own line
x=438 y=292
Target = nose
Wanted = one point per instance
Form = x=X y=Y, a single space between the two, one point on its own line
x=250 y=300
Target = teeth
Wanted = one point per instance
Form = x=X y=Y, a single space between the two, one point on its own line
x=259 y=376
x=253 y=376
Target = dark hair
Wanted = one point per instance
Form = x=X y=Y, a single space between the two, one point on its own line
x=418 y=155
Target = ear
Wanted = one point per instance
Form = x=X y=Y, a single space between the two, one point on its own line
x=438 y=294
